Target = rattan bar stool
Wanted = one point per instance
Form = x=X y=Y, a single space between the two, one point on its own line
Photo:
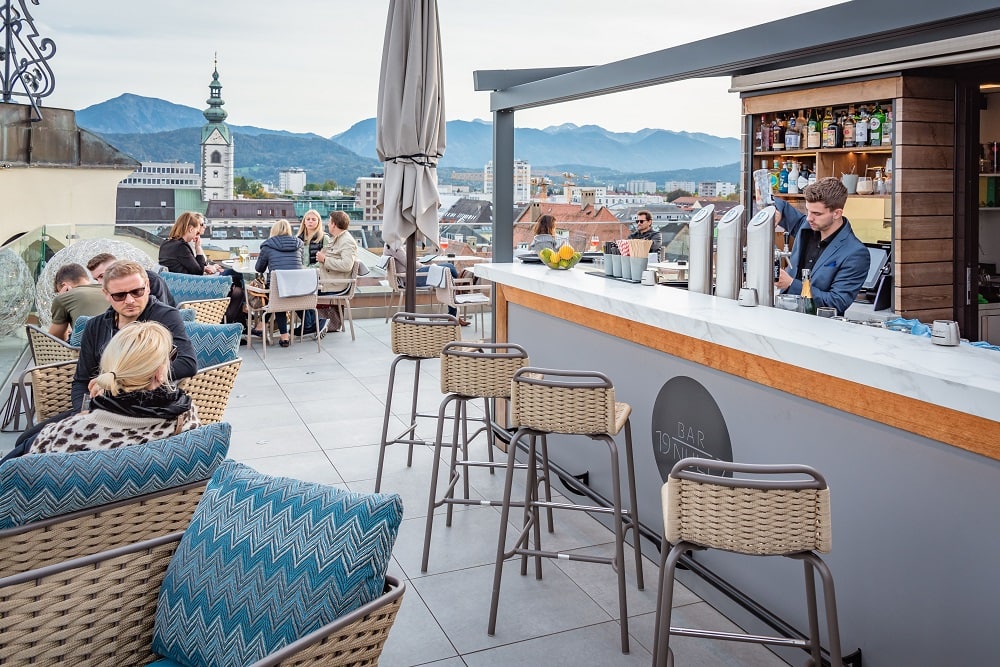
x=774 y=512
x=470 y=371
x=414 y=338
x=546 y=401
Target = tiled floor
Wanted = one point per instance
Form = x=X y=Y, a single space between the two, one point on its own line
x=318 y=416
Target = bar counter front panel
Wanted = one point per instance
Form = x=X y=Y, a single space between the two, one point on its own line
x=914 y=518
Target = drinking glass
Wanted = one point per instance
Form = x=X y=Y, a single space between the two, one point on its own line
x=444 y=244
x=595 y=243
x=826 y=311
x=244 y=254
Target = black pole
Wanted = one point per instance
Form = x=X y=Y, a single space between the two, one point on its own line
x=411 y=273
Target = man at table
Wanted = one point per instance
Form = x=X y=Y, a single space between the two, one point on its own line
x=825 y=244
x=398 y=256
x=75 y=295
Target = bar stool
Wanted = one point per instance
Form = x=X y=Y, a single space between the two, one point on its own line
x=470 y=372
x=706 y=507
x=414 y=338
x=546 y=401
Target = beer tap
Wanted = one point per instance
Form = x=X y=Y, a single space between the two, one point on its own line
x=784 y=253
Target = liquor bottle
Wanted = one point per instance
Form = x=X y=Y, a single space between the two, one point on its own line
x=887 y=130
x=775 y=169
x=850 y=125
x=861 y=127
x=827 y=121
x=809 y=306
x=813 y=136
x=802 y=123
x=875 y=126
x=793 y=179
x=791 y=134
x=783 y=179
x=832 y=137
x=777 y=135
x=764 y=131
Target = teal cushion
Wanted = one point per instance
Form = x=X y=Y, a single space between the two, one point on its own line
x=213 y=343
x=187 y=287
x=267 y=560
x=41 y=486
x=187 y=315
x=164 y=663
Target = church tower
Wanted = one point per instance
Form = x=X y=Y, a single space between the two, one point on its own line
x=216 y=147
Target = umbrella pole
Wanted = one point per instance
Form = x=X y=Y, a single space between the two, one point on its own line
x=411 y=273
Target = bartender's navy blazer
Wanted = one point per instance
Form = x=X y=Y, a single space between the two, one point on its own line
x=839 y=272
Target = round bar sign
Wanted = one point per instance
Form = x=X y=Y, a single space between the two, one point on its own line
x=687 y=422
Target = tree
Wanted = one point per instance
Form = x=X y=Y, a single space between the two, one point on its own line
x=674 y=194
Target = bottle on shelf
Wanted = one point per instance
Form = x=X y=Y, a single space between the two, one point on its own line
x=783 y=179
x=792 y=134
x=764 y=131
x=803 y=177
x=813 y=136
x=775 y=169
x=861 y=127
x=875 y=126
x=793 y=179
x=833 y=137
x=808 y=305
x=802 y=123
x=826 y=122
x=887 y=129
x=777 y=135
x=850 y=125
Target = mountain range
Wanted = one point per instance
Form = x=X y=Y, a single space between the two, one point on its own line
x=151 y=129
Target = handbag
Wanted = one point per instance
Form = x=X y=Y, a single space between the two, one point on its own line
x=257 y=292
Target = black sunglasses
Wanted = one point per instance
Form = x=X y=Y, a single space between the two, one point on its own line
x=134 y=293
x=173 y=352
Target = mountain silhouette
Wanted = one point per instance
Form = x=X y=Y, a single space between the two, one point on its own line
x=151 y=129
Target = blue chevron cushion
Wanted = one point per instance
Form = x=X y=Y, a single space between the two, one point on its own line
x=187 y=287
x=41 y=486
x=267 y=560
x=214 y=343
x=187 y=315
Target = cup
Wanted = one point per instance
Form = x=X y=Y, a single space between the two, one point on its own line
x=850 y=182
x=865 y=186
x=608 y=268
x=638 y=265
x=747 y=297
x=649 y=277
x=616 y=266
x=826 y=311
x=787 y=302
x=626 y=268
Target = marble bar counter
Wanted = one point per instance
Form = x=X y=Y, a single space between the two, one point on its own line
x=876 y=373
x=907 y=434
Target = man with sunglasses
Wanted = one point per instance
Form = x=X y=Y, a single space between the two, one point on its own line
x=126 y=288
x=644 y=230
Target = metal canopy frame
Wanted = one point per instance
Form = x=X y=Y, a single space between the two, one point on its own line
x=890 y=24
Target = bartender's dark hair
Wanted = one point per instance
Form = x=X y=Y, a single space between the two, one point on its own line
x=829 y=191
x=545 y=225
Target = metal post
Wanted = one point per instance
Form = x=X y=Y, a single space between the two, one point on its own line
x=503 y=186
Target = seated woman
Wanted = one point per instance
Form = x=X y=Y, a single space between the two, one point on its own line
x=182 y=253
x=281 y=251
x=132 y=399
x=545 y=234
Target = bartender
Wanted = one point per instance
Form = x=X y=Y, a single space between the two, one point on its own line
x=825 y=244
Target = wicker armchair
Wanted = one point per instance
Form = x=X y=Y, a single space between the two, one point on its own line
x=210 y=389
x=47 y=390
x=99 y=610
x=47 y=349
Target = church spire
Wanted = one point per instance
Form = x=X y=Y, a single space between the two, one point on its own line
x=215 y=113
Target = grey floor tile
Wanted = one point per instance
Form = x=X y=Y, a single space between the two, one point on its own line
x=356 y=404
x=273 y=441
x=358 y=463
x=415 y=638
x=528 y=608
x=600 y=581
x=352 y=431
x=594 y=645
x=314 y=467
x=313 y=390
x=253 y=417
x=412 y=487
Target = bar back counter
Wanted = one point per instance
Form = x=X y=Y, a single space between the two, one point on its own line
x=906 y=432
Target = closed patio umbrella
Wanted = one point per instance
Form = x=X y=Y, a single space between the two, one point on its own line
x=410 y=128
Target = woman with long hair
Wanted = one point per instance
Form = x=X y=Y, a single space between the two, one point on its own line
x=132 y=398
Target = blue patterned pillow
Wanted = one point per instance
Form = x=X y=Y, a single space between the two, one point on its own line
x=187 y=287
x=267 y=560
x=187 y=315
x=214 y=343
x=41 y=486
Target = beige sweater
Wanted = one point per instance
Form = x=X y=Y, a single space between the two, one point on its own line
x=341 y=255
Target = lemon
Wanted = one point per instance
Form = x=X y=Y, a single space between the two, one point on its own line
x=545 y=254
x=566 y=252
x=563 y=263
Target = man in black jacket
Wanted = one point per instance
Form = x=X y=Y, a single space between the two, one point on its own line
x=126 y=287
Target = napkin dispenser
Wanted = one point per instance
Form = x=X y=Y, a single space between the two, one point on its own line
x=945 y=332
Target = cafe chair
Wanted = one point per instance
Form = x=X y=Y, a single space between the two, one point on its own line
x=306 y=289
x=415 y=338
x=756 y=510
x=62 y=505
x=208 y=296
x=45 y=349
x=397 y=288
x=343 y=300
x=462 y=294
x=211 y=387
x=545 y=402
x=270 y=571
x=46 y=390
x=470 y=371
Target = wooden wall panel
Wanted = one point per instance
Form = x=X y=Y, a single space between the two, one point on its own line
x=924 y=274
x=928 y=88
x=928 y=316
x=924 y=203
x=833 y=95
x=939 y=157
x=925 y=180
x=924 y=227
x=924 y=250
x=926 y=298
x=931 y=111
x=921 y=133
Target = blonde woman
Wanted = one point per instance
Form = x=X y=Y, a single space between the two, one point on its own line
x=281 y=251
x=312 y=235
x=132 y=399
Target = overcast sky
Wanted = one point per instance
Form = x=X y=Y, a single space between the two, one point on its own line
x=313 y=65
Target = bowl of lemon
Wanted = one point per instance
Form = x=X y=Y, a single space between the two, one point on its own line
x=562 y=259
